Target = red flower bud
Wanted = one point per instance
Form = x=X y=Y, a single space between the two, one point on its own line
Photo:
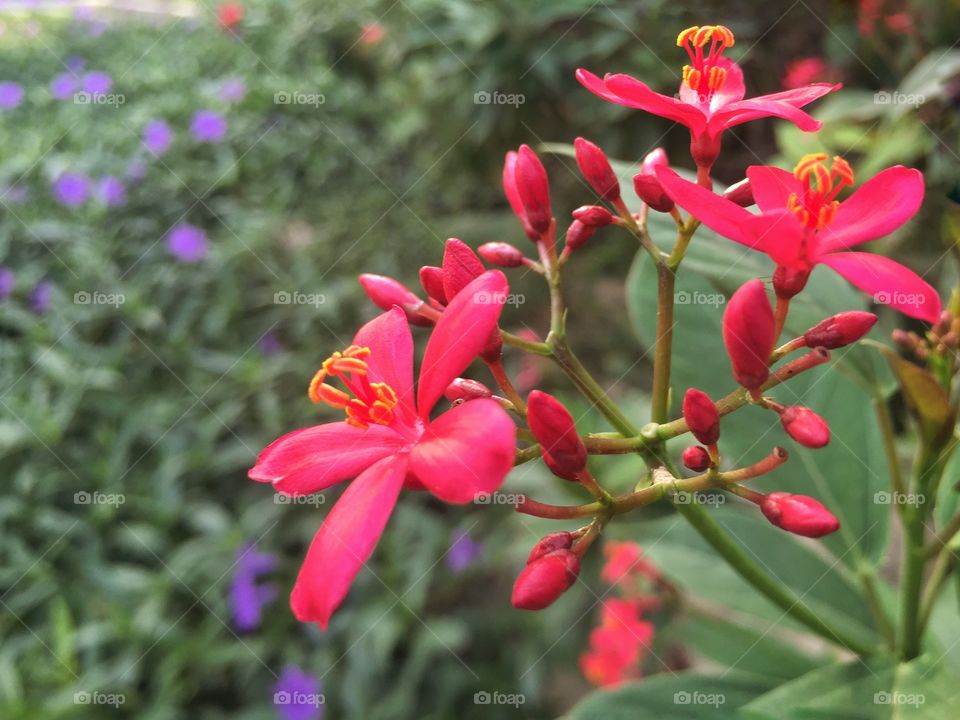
x=701 y=416
x=799 y=514
x=501 y=253
x=431 y=279
x=577 y=235
x=788 y=282
x=805 y=426
x=545 y=579
x=534 y=189
x=749 y=334
x=646 y=185
x=594 y=215
x=596 y=169
x=513 y=195
x=230 y=14
x=740 y=193
x=385 y=292
x=696 y=458
x=553 y=427
x=554 y=541
x=839 y=330
x=460 y=266
x=466 y=389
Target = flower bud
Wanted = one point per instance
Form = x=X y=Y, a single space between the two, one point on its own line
x=740 y=193
x=596 y=169
x=385 y=292
x=749 y=334
x=577 y=235
x=460 y=267
x=545 y=579
x=799 y=514
x=594 y=215
x=701 y=416
x=466 y=389
x=431 y=280
x=533 y=189
x=513 y=195
x=805 y=426
x=696 y=458
x=646 y=185
x=501 y=253
x=839 y=330
x=554 y=541
x=553 y=427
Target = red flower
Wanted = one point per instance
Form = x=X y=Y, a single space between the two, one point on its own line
x=230 y=14
x=801 y=224
x=389 y=440
x=711 y=94
x=617 y=646
x=625 y=560
x=799 y=514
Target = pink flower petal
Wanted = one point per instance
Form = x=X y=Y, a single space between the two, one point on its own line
x=889 y=282
x=746 y=110
x=772 y=187
x=798 y=97
x=877 y=208
x=631 y=92
x=717 y=213
x=461 y=333
x=467 y=451
x=345 y=540
x=308 y=460
x=391 y=357
x=460 y=266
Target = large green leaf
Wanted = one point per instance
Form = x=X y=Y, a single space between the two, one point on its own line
x=875 y=689
x=689 y=695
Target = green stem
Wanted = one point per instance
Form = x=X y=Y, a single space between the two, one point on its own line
x=869 y=583
x=942 y=568
x=773 y=589
x=885 y=422
x=664 y=343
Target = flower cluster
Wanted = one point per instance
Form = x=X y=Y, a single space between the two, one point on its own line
x=391 y=439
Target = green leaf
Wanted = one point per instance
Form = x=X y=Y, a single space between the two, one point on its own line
x=926 y=399
x=671 y=696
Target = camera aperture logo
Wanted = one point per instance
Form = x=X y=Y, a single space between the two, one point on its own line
x=98 y=498
x=683 y=297
x=298 y=699
x=108 y=99
x=699 y=498
x=497 y=498
x=96 y=297
x=296 y=297
x=486 y=298
x=317 y=499
x=296 y=97
x=95 y=697
x=485 y=697
x=899 y=698
x=696 y=697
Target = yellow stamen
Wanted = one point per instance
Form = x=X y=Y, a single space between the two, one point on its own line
x=822 y=183
x=374 y=402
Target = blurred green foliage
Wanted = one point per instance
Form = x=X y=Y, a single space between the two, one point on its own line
x=166 y=398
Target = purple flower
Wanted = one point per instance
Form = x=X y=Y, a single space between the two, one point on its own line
x=270 y=345
x=246 y=598
x=111 y=191
x=97 y=83
x=463 y=552
x=7 y=282
x=136 y=171
x=11 y=95
x=187 y=243
x=208 y=126
x=63 y=86
x=233 y=90
x=75 y=63
x=157 y=136
x=71 y=189
x=41 y=296
x=298 y=696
